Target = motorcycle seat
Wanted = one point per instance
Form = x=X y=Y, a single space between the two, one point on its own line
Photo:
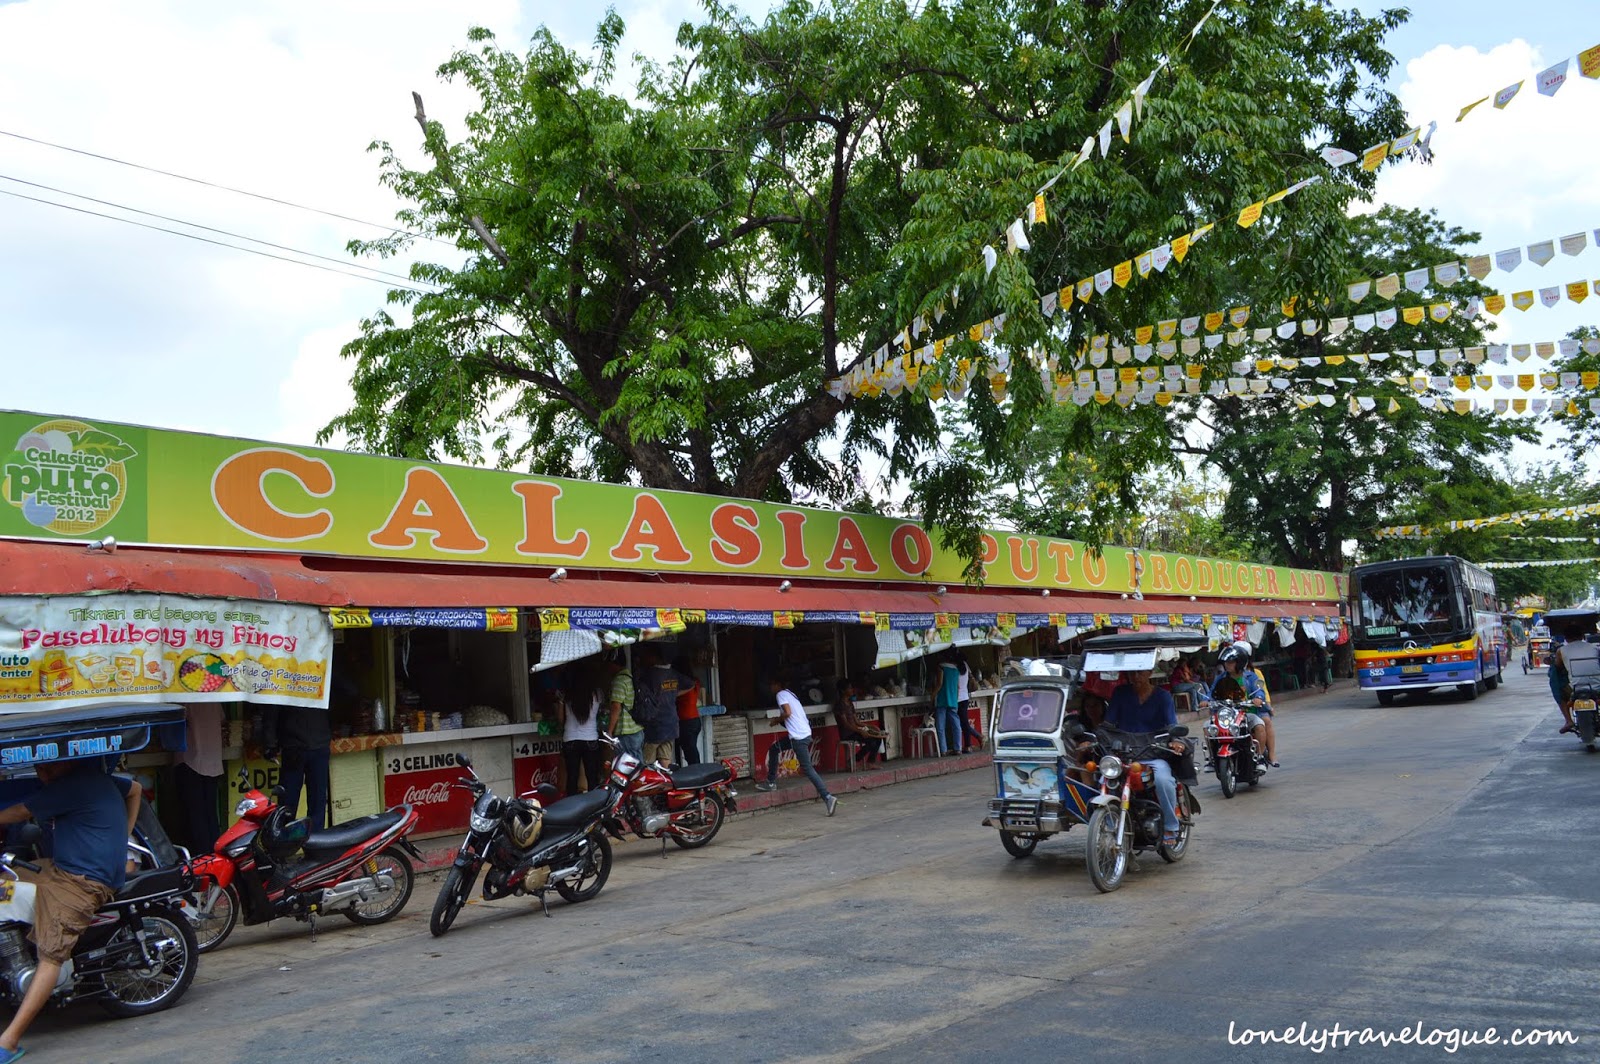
x=579 y=809
x=157 y=883
x=351 y=833
x=693 y=777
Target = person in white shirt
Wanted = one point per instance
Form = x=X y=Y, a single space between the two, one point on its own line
x=798 y=739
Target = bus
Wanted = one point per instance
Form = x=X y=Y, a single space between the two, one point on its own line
x=1422 y=623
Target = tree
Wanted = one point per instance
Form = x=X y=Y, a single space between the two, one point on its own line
x=661 y=289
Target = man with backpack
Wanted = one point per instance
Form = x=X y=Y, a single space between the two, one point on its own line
x=655 y=703
x=620 y=721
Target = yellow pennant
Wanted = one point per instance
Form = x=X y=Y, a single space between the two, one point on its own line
x=1142 y=334
x=1180 y=246
x=1522 y=300
x=1494 y=304
x=1468 y=109
x=1127 y=374
x=1463 y=406
x=1394 y=405
x=1412 y=315
x=1387 y=287
x=1479 y=266
x=1278 y=195
x=1373 y=157
x=1438 y=311
x=1163 y=399
x=936 y=390
x=1193 y=371
x=1166 y=329
x=1545 y=349
x=1214 y=321
x=1102 y=398
x=1086 y=289
x=1525 y=381
x=1463 y=384
x=1250 y=215
x=976 y=332
x=1578 y=291
x=1333 y=360
x=1123 y=273
x=1064 y=298
x=1589 y=62
x=1264 y=365
x=1590 y=378
x=1484 y=382
x=1239 y=315
x=1145 y=261
x=1039 y=216
x=1288 y=305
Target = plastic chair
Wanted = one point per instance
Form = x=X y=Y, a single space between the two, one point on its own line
x=845 y=749
x=929 y=730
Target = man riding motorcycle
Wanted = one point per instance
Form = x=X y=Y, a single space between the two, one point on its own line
x=1140 y=707
x=1240 y=682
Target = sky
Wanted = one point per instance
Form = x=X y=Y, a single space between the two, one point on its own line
x=105 y=320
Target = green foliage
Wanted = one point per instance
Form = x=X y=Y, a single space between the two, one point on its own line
x=658 y=287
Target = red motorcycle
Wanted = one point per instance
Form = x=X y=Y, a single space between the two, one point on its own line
x=686 y=805
x=269 y=865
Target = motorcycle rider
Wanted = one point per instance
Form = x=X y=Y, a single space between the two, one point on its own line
x=1140 y=707
x=88 y=814
x=1238 y=678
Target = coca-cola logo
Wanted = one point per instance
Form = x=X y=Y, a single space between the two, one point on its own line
x=433 y=794
x=550 y=775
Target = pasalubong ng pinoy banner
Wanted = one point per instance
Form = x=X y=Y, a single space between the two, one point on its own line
x=67 y=651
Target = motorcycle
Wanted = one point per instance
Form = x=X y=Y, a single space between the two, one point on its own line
x=686 y=805
x=1231 y=751
x=268 y=865
x=529 y=848
x=1582 y=675
x=137 y=956
x=1127 y=817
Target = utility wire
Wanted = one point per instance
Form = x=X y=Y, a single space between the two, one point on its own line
x=224 y=188
x=206 y=228
x=208 y=240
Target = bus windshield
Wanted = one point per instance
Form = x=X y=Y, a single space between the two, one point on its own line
x=1420 y=600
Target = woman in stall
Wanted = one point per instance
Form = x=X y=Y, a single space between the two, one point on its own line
x=580 y=735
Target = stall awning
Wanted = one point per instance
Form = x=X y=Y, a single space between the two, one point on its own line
x=65 y=569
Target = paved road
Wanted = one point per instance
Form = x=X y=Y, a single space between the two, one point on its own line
x=1430 y=862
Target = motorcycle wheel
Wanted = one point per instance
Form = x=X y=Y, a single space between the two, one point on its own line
x=141 y=991
x=580 y=887
x=452 y=896
x=711 y=816
x=1174 y=853
x=1225 y=777
x=1019 y=845
x=388 y=905
x=1586 y=727
x=1106 y=855
x=216 y=915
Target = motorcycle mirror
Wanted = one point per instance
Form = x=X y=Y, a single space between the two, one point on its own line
x=1179 y=731
x=464 y=761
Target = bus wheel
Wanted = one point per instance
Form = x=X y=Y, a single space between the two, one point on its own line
x=1469 y=691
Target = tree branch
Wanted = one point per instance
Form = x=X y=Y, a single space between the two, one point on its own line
x=433 y=141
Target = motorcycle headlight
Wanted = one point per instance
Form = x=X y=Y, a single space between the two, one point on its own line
x=1227 y=717
x=1110 y=767
x=244 y=806
x=482 y=824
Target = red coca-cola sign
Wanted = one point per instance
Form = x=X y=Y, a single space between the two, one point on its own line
x=440 y=807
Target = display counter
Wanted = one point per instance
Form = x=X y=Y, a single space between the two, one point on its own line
x=510 y=758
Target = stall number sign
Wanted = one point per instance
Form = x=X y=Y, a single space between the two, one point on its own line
x=56 y=750
x=536 y=747
x=419 y=762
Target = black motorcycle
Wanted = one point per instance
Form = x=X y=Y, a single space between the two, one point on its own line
x=530 y=848
x=1231 y=750
x=1127 y=819
x=137 y=956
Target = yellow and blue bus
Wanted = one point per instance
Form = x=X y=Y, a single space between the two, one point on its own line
x=1422 y=623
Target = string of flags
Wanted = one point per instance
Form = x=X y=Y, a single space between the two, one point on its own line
x=1446 y=274
x=1548 y=82
x=1520 y=517
x=1542 y=563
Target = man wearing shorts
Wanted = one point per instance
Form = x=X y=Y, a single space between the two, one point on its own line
x=88 y=814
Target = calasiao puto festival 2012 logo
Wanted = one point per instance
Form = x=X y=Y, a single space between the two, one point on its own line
x=66 y=477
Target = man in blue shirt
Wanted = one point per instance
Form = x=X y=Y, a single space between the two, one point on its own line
x=89 y=814
x=1137 y=705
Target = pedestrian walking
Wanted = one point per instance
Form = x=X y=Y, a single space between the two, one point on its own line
x=798 y=739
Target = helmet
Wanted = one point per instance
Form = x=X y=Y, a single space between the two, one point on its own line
x=1237 y=651
x=524 y=822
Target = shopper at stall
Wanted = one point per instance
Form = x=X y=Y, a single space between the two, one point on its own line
x=581 y=707
x=688 y=716
x=301 y=737
x=798 y=739
x=198 y=773
x=89 y=815
x=971 y=738
x=655 y=690
x=619 y=718
x=852 y=729
x=946 y=689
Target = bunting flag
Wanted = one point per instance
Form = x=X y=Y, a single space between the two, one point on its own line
x=1521 y=517
x=1541 y=563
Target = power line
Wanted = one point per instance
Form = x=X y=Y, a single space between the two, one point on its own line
x=224 y=188
x=208 y=240
x=206 y=228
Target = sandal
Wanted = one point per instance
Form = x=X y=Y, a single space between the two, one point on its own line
x=1565 y=728
x=1171 y=838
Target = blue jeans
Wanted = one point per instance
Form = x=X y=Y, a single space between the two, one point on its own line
x=307 y=769
x=947 y=722
x=967 y=730
x=1166 y=792
x=802 y=754
x=633 y=744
